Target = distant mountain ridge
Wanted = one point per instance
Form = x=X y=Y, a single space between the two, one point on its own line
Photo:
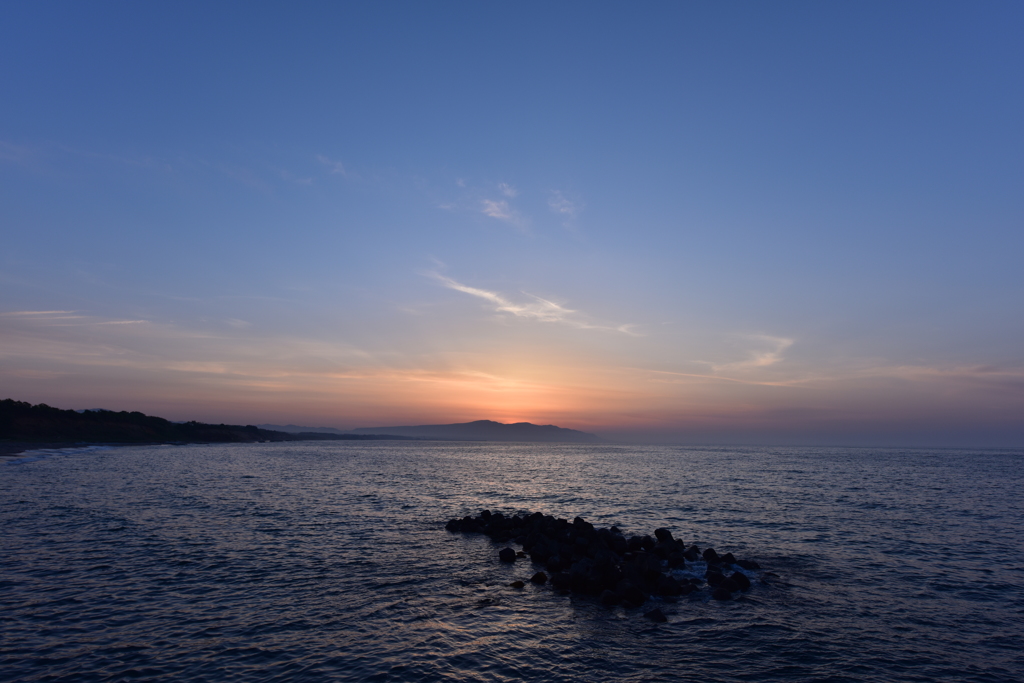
x=486 y=430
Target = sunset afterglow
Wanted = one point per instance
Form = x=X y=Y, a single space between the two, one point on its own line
x=671 y=228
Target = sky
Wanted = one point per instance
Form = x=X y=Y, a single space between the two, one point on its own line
x=692 y=222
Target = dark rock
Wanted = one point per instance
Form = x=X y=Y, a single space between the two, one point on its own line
x=583 y=526
x=741 y=580
x=656 y=615
x=668 y=586
x=583 y=576
x=645 y=566
x=630 y=594
x=602 y=562
x=619 y=544
x=561 y=581
x=730 y=585
x=721 y=594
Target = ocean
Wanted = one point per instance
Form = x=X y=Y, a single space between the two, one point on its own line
x=329 y=561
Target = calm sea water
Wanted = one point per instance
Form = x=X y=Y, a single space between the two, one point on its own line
x=329 y=561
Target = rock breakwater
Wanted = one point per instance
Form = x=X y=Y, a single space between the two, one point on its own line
x=581 y=558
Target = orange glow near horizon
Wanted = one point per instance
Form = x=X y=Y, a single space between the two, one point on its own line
x=182 y=375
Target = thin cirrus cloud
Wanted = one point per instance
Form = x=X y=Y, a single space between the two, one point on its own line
x=538 y=309
x=768 y=350
x=496 y=209
x=62 y=318
x=503 y=211
x=332 y=166
x=561 y=205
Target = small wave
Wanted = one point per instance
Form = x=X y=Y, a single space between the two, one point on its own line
x=43 y=453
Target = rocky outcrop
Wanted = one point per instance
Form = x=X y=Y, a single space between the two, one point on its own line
x=619 y=570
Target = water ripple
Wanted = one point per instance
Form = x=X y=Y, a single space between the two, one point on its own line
x=315 y=561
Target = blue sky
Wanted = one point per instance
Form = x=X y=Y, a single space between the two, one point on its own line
x=737 y=222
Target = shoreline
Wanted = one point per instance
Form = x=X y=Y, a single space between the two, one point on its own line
x=15 y=450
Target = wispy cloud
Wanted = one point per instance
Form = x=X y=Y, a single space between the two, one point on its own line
x=538 y=308
x=563 y=206
x=62 y=318
x=246 y=176
x=496 y=209
x=500 y=209
x=508 y=190
x=762 y=351
x=670 y=376
x=290 y=177
x=332 y=166
x=17 y=154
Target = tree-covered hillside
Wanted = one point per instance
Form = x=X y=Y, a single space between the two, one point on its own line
x=21 y=421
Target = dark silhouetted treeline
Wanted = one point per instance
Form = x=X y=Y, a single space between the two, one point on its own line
x=24 y=422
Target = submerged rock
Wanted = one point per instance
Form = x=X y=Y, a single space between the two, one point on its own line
x=507 y=555
x=656 y=615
